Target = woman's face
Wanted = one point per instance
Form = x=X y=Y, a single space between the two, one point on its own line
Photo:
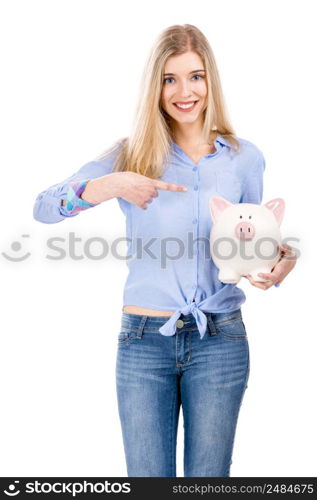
x=184 y=82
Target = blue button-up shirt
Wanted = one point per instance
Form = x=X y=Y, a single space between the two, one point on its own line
x=168 y=254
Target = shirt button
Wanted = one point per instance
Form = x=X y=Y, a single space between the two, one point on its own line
x=179 y=323
x=194 y=169
x=195 y=187
x=195 y=221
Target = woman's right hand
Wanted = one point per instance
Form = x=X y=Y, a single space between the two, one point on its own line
x=132 y=187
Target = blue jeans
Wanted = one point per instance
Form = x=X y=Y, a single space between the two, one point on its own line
x=156 y=374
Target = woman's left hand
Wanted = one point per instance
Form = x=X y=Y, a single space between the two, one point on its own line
x=281 y=269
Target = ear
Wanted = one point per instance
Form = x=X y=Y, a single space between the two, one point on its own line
x=277 y=206
x=217 y=205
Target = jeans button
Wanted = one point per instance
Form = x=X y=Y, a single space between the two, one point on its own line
x=179 y=323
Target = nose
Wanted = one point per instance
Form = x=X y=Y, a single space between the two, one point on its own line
x=245 y=231
x=184 y=88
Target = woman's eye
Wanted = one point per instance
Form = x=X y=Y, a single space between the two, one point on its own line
x=200 y=76
x=170 y=78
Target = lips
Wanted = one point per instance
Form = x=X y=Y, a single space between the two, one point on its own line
x=188 y=109
x=185 y=102
x=188 y=102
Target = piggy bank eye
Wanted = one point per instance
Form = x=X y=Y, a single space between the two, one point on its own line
x=240 y=216
x=250 y=216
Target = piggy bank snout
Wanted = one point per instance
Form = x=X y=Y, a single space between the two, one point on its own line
x=245 y=231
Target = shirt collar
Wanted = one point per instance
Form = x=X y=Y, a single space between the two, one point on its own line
x=223 y=141
x=219 y=138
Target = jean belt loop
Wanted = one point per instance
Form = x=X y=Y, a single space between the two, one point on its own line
x=211 y=325
x=141 y=327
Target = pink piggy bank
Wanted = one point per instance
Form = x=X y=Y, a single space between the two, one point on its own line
x=244 y=238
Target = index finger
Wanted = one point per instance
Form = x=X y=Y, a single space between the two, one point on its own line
x=169 y=186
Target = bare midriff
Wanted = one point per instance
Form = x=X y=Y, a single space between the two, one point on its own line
x=146 y=311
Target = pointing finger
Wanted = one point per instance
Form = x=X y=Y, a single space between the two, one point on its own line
x=169 y=186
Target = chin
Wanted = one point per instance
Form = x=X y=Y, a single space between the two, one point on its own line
x=186 y=119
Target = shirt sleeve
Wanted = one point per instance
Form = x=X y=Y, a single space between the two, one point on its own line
x=74 y=202
x=252 y=187
x=48 y=206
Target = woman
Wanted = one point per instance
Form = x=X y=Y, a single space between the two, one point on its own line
x=182 y=339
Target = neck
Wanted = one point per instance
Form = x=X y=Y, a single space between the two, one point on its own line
x=189 y=134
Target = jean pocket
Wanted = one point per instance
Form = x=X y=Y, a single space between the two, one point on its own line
x=124 y=336
x=233 y=329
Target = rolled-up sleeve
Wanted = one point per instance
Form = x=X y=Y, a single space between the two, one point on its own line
x=74 y=202
x=48 y=207
x=48 y=204
x=252 y=186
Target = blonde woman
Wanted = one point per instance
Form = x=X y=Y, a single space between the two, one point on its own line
x=182 y=340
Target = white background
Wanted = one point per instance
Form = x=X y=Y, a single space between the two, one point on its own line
x=70 y=77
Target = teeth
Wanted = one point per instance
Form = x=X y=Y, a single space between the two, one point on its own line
x=185 y=106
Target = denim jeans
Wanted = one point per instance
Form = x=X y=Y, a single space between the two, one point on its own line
x=156 y=374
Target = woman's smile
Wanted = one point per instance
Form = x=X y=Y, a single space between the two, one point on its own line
x=185 y=107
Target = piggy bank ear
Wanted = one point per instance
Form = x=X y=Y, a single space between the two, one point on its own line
x=217 y=205
x=277 y=206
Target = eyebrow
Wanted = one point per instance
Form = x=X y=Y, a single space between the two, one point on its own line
x=195 y=71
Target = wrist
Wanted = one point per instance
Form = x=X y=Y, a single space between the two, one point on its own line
x=104 y=188
x=88 y=194
x=115 y=184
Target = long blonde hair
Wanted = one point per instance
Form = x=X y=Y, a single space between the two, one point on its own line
x=149 y=144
